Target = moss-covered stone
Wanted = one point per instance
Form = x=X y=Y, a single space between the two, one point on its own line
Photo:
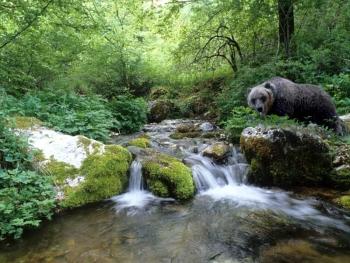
x=140 y=142
x=344 y=201
x=160 y=110
x=181 y=135
x=217 y=151
x=90 y=146
x=285 y=158
x=60 y=171
x=104 y=174
x=22 y=122
x=166 y=176
x=341 y=162
x=159 y=92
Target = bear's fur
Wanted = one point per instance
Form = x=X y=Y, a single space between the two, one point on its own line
x=304 y=102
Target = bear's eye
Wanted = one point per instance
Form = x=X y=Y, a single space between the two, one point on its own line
x=263 y=99
x=253 y=101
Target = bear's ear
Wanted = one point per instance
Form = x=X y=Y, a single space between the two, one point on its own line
x=271 y=87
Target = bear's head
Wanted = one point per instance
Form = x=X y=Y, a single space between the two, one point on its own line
x=261 y=97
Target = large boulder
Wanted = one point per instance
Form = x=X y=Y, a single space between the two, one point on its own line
x=166 y=176
x=160 y=110
x=83 y=170
x=286 y=157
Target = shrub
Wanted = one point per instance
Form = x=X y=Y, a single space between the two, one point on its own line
x=70 y=113
x=14 y=151
x=25 y=198
x=130 y=113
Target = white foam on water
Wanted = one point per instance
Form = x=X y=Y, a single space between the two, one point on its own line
x=226 y=183
x=136 y=199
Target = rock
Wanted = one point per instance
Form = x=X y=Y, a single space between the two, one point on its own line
x=344 y=201
x=166 y=176
x=286 y=157
x=158 y=92
x=218 y=151
x=182 y=135
x=83 y=170
x=141 y=142
x=341 y=163
x=186 y=127
x=206 y=127
x=346 y=120
x=160 y=110
x=105 y=175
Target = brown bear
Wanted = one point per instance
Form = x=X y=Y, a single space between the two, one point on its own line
x=304 y=102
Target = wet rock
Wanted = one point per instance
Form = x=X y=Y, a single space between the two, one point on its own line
x=218 y=151
x=166 y=176
x=344 y=201
x=286 y=157
x=160 y=110
x=142 y=142
x=186 y=127
x=341 y=163
x=206 y=127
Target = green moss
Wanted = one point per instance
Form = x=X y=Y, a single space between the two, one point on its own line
x=181 y=135
x=168 y=177
x=22 y=122
x=158 y=187
x=89 y=144
x=344 y=201
x=289 y=159
x=60 y=171
x=140 y=142
x=38 y=156
x=105 y=176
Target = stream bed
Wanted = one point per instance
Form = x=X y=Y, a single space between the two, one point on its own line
x=227 y=221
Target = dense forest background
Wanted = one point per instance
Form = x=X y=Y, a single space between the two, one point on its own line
x=93 y=67
x=75 y=64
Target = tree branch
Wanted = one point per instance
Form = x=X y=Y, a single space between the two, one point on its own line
x=31 y=22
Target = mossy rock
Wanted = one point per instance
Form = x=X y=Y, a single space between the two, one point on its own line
x=286 y=158
x=104 y=174
x=182 y=135
x=60 y=171
x=344 y=201
x=218 y=151
x=167 y=176
x=141 y=142
x=159 y=92
x=341 y=162
x=160 y=110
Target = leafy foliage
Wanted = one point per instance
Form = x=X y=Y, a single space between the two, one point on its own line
x=14 y=152
x=130 y=113
x=25 y=198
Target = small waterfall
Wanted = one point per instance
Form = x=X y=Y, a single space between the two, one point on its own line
x=208 y=175
x=136 y=199
x=228 y=182
x=135 y=181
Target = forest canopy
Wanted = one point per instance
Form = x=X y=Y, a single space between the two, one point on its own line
x=125 y=47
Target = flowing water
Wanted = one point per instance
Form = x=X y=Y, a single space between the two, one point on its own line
x=227 y=221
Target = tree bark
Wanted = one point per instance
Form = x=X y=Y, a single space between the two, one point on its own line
x=286 y=26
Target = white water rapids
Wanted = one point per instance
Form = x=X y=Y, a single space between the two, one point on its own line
x=226 y=183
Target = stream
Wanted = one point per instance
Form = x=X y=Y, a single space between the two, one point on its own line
x=227 y=221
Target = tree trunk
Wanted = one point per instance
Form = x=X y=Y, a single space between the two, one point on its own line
x=286 y=26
